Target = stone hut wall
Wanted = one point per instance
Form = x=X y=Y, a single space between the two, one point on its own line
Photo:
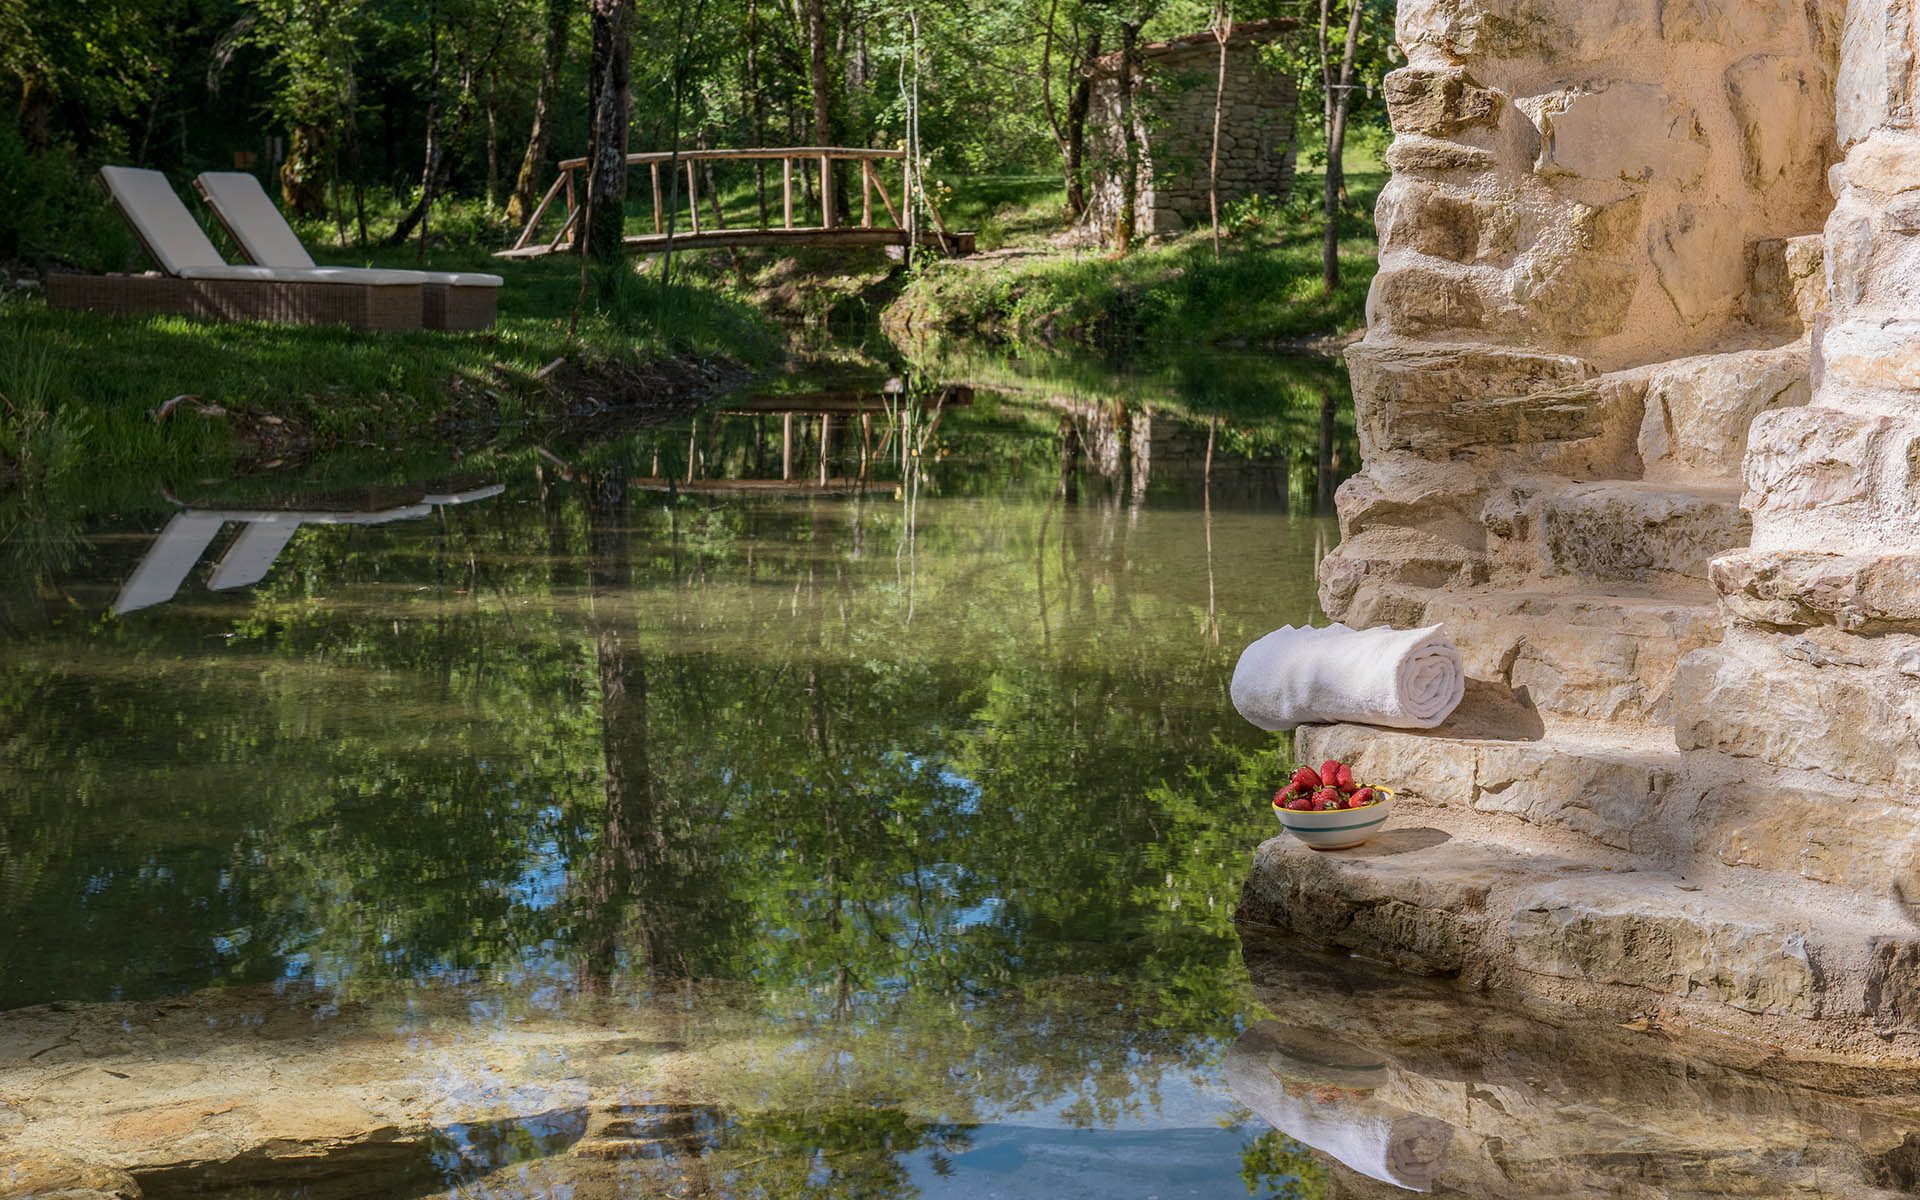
x=1173 y=119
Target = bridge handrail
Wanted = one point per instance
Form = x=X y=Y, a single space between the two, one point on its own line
x=660 y=156
x=822 y=156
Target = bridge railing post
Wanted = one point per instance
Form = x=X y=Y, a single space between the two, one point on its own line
x=657 y=226
x=826 y=191
x=866 y=193
x=786 y=189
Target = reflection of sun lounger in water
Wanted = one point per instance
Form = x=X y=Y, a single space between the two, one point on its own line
x=1318 y=1091
x=252 y=554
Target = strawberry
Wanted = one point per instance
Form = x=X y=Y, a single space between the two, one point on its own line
x=1346 y=776
x=1326 y=798
x=1363 y=797
x=1305 y=779
x=1301 y=804
x=1330 y=772
x=1354 y=801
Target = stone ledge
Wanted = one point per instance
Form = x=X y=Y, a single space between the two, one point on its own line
x=1798 y=589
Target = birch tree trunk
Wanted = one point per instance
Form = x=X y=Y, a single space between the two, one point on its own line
x=1336 y=110
x=822 y=108
x=605 y=214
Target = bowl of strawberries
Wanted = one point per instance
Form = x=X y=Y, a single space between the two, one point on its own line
x=1328 y=810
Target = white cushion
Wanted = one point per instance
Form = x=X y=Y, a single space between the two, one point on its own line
x=148 y=202
x=460 y=278
x=353 y=275
x=249 y=215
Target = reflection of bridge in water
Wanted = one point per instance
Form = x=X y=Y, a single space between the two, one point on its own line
x=813 y=422
x=264 y=534
x=830 y=232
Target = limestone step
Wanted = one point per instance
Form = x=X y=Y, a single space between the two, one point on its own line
x=1436 y=895
x=1601 y=655
x=1615 y=530
x=1697 y=410
x=1592 y=787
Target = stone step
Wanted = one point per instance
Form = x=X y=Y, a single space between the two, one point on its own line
x=1697 y=410
x=1767 y=956
x=1617 y=530
x=1593 y=788
x=1600 y=655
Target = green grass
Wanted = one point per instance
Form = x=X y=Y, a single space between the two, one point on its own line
x=279 y=390
x=1264 y=288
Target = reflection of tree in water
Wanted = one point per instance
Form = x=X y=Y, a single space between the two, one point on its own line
x=1275 y=1167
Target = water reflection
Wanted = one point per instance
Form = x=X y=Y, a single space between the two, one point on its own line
x=1402 y=1084
x=263 y=536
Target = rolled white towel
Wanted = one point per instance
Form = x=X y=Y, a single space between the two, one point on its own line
x=1404 y=678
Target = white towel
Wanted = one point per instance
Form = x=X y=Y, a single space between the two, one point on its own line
x=1405 y=678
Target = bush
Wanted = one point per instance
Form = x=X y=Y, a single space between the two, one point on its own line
x=54 y=211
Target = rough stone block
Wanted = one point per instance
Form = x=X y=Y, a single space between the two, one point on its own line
x=1698 y=410
x=1877 y=356
x=1626 y=530
x=1619 y=931
x=1875 y=87
x=1408 y=492
x=1536 y=30
x=1574 y=294
x=1808 y=458
x=1786 y=134
x=1726 y=22
x=1435 y=398
x=1822 y=701
x=1828 y=832
x=1422 y=299
x=1415 y=215
x=1699 y=260
x=1408 y=557
x=1413 y=154
x=1893 y=986
x=1786 y=281
x=1627 y=132
x=1438 y=102
x=1796 y=589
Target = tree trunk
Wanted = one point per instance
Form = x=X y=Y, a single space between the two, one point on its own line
x=493 y=144
x=1223 y=31
x=822 y=107
x=758 y=99
x=1337 y=104
x=1123 y=225
x=607 y=145
x=526 y=185
x=1078 y=106
x=303 y=184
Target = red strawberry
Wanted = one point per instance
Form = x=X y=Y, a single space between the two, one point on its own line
x=1301 y=804
x=1305 y=779
x=1363 y=797
x=1355 y=801
x=1346 y=776
x=1330 y=772
x=1326 y=798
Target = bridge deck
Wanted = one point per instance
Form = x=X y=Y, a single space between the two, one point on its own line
x=707 y=239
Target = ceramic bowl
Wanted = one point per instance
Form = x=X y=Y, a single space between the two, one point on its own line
x=1340 y=829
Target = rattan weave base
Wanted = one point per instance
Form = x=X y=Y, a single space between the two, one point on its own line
x=358 y=305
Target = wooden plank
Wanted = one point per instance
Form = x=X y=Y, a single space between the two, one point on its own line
x=786 y=188
x=657 y=226
x=833 y=486
x=866 y=193
x=693 y=199
x=844 y=403
x=786 y=447
x=533 y=222
x=839 y=152
x=826 y=192
x=888 y=201
x=573 y=218
x=840 y=238
x=826 y=440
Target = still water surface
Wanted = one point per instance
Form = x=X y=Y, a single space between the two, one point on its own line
x=696 y=813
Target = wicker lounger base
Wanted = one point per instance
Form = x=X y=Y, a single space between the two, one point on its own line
x=359 y=305
x=444 y=306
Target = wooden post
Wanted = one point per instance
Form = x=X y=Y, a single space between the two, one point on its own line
x=693 y=198
x=786 y=424
x=826 y=192
x=657 y=226
x=786 y=194
x=693 y=437
x=906 y=195
x=866 y=193
x=826 y=431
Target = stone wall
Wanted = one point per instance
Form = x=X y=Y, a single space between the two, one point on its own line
x=1649 y=447
x=1173 y=119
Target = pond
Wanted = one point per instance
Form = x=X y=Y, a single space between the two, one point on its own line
x=832 y=794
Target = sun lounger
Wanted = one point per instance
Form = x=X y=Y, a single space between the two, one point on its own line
x=454 y=299
x=199 y=282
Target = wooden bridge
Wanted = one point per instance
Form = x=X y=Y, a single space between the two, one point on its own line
x=692 y=232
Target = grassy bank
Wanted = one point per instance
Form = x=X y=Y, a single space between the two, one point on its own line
x=1263 y=289
x=79 y=387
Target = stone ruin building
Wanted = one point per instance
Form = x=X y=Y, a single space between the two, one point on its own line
x=1639 y=408
x=1173 y=119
